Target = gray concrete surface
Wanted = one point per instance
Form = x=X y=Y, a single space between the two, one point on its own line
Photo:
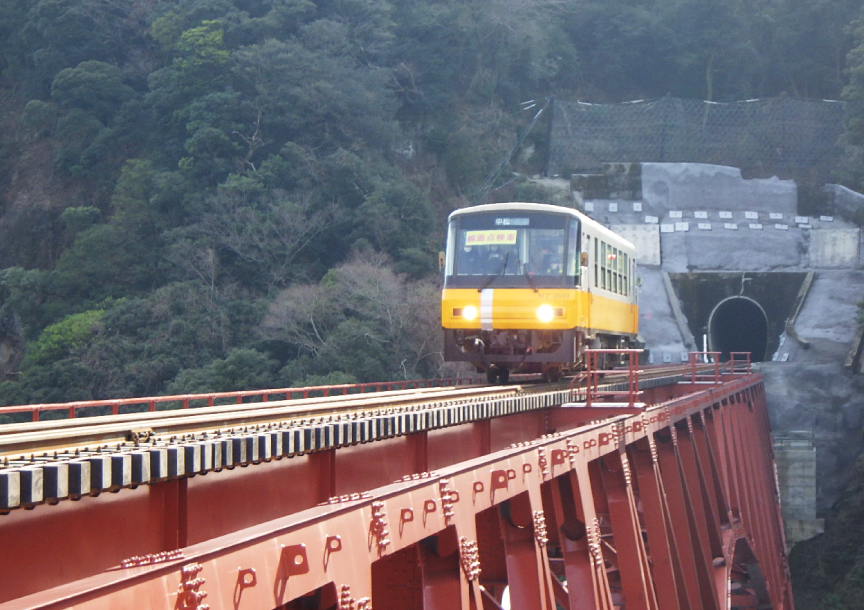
x=755 y=226
x=699 y=186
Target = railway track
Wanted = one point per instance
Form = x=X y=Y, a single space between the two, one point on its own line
x=140 y=428
x=48 y=461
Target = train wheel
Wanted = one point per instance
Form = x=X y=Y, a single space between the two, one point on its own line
x=552 y=375
x=497 y=374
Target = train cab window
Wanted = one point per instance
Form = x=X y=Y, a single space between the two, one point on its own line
x=574 y=249
x=514 y=248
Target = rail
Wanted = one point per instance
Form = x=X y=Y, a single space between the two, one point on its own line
x=185 y=401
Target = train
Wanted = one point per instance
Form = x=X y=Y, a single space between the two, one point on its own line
x=529 y=286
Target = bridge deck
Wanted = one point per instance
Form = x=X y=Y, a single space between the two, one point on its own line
x=672 y=505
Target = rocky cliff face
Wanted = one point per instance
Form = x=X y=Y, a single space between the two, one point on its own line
x=828 y=570
x=32 y=195
x=11 y=345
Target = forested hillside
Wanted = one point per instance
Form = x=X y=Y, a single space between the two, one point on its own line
x=224 y=194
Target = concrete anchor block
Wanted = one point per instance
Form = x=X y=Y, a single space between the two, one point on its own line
x=100 y=473
x=79 y=478
x=31 y=486
x=121 y=470
x=55 y=481
x=176 y=462
x=140 y=467
x=10 y=489
x=158 y=464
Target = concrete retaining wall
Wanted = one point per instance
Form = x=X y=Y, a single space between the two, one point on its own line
x=646 y=238
x=695 y=186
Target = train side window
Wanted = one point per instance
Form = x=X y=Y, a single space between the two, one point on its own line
x=627 y=276
x=612 y=284
x=610 y=264
x=619 y=280
x=624 y=275
x=596 y=262
x=604 y=270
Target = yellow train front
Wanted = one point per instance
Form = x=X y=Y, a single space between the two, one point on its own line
x=528 y=286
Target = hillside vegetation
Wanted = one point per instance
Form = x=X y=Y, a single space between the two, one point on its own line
x=205 y=195
x=220 y=194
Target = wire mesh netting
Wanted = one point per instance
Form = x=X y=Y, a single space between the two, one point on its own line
x=782 y=136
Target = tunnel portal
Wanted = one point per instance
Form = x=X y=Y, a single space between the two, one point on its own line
x=745 y=311
x=738 y=324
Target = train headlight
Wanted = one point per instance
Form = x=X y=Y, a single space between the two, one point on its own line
x=545 y=313
x=469 y=313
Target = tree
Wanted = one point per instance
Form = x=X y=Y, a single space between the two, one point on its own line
x=64 y=33
x=361 y=319
x=261 y=238
x=854 y=93
x=241 y=369
x=315 y=98
x=62 y=339
x=93 y=86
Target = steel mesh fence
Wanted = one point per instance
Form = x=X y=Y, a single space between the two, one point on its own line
x=774 y=136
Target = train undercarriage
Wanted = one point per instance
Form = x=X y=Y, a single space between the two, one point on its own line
x=552 y=353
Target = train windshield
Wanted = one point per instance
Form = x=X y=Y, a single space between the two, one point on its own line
x=514 y=248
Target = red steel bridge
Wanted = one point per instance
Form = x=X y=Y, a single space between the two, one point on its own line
x=634 y=489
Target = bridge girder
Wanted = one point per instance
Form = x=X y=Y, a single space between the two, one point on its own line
x=673 y=507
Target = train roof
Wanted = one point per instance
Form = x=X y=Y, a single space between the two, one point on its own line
x=542 y=207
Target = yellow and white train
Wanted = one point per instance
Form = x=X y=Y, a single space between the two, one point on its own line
x=529 y=286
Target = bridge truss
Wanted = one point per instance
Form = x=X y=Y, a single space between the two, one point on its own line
x=667 y=504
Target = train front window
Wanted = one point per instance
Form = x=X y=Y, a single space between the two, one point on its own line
x=515 y=247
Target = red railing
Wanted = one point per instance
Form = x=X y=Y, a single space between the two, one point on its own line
x=182 y=401
x=738 y=364
x=593 y=373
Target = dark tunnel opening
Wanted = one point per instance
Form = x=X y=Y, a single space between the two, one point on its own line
x=738 y=324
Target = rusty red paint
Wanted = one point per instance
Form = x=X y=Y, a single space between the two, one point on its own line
x=631 y=510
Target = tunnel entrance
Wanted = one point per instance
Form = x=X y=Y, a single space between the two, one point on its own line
x=738 y=324
x=709 y=299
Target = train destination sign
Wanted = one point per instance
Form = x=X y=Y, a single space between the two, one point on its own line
x=490 y=238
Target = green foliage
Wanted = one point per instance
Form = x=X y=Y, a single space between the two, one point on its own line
x=361 y=319
x=92 y=86
x=167 y=28
x=39 y=118
x=317 y=98
x=78 y=219
x=65 y=337
x=217 y=158
x=334 y=378
x=241 y=369
x=28 y=293
x=202 y=58
x=64 y=380
x=854 y=92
